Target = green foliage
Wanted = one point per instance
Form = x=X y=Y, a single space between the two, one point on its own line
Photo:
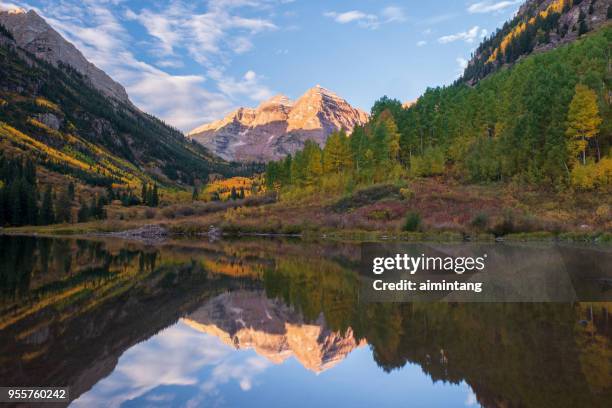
x=149 y=196
x=513 y=125
x=412 y=222
x=101 y=136
x=480 y=221
x=18 y=192
x=429 y=164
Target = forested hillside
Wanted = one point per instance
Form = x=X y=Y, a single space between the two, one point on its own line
x=52 y=120
x=539 y=25
x=544 y=122
x=108 y=141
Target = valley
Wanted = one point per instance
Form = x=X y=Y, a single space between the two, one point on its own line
x=522 y=152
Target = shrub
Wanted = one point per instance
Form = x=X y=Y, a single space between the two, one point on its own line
x=407 y=193
x=365 y=196
x=480 y=221
x=505 y=226
x=430 y=163
x=413 y=222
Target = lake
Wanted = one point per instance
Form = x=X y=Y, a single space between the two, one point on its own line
x=281 y=322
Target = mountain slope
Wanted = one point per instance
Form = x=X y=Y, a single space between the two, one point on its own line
x=539 y=25
x=51 y=110
x=278 y=126
x=32 y=33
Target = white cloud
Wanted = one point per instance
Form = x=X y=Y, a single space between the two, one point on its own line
x=463 y=63
x=205 y=35
x=179 y=355
x=421 y=43
x=363 y=19
x=248 y=86
x=9 y=6
x=210 y=38
x=492 y=6
x=468 y=36
x=390 y=14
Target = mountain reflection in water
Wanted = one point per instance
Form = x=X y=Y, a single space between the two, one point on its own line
x=276 y=323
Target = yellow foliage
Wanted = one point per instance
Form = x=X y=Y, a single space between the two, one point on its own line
x=555 y=7
x=46 y=128
x=593 y=175
x=224 y=186
x=45 y=103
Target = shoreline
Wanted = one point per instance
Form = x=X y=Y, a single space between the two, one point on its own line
x=161 y=232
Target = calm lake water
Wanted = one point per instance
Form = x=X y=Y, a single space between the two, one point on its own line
x=260 y=322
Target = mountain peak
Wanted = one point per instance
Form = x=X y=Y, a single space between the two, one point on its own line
x=278 y=99
x=34 y=34
x=249 y=320
x=279 y=126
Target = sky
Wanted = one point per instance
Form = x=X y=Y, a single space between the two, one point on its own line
x=182 y=366
x=192 y=62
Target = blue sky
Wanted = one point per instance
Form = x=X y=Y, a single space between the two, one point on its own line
x=191 y=62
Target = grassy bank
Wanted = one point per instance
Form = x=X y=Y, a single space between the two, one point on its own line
x=419 y=210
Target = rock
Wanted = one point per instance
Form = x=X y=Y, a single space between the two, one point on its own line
x=278 y=126
x=32 y=33
x=147 y=233
x=50 y=120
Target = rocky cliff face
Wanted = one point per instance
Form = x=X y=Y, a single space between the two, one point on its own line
x=250 y=320
x=279 y=126
x=32 y=33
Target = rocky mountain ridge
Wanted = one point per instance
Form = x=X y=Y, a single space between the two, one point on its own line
x=278 y=126
x=248 y=319
x=77 y=123
x=32 y=33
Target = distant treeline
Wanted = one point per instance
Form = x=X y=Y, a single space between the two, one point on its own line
x=23 y=203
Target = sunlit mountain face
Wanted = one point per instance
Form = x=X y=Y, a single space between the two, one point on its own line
x=247 y=322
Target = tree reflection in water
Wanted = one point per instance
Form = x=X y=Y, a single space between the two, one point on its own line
x=71 y=307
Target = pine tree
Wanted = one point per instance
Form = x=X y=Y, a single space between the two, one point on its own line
x=194 y=194
x=154 y=197
x=83 y=214
x=233 y=194
x=241 y=194
x=583 y=121
x=47 y=215
x=336 y=154
x=71 y=192
x=63 y=207
x=144 y=194
x=314 y=167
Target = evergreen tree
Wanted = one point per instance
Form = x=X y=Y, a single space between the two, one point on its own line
x=47 y=216
x=233 y=194
x=63 y=207
x=83 y=214
x=144 y=194
x=154 y=197
x=71 y=192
